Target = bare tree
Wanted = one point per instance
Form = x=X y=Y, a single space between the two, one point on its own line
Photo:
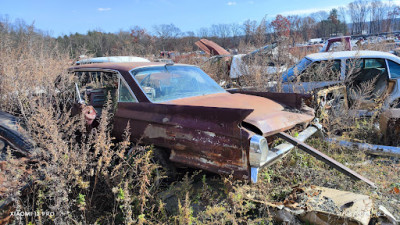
x=308 y=25
x=295 y=29
x=203 y=32
x=319 y=16
x=236 y=33
x=249 y=28
x=222 y=31
x=393 y=12
x=342 y=12
x=358 y=11
x=377 y=16
x=260 y=33
x=167 y=33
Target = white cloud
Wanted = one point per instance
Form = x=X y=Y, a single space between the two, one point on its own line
x=231 y=3
x=394 y=2
x=307 y=11
x=103 y=9
x=329 y=8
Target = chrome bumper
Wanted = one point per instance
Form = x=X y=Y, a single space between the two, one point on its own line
x=281 y=150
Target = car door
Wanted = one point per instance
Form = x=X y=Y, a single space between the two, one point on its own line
x=393 y=85
x=366 y=82
x=318 y=75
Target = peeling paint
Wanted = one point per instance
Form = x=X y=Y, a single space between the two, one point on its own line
x=211 y=134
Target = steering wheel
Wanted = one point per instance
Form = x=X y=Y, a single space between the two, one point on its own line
x=146 y=77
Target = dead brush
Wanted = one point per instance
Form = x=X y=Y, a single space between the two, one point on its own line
x=28 y=66
x=74 y=179
x=377 y=45
x=82 y=178
x=263 y=69
x=362 y=95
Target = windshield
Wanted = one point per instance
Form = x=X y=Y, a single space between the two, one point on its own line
x=165 y=83
x=295 y=70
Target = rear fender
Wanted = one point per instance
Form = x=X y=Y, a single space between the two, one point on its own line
x=294 y=100
x=209 y=138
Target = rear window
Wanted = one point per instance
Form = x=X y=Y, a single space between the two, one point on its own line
x=394 y=69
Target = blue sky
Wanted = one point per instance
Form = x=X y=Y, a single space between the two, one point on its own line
x=70 y=16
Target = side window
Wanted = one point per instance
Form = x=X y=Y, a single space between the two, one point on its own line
x=374 y=63
x=336 y=66
x=327 y=70
x=97 y=79
x=95 y=86
x=372 y=69
x=367 y=78
x=394 y=69
x=124 y=93
x=353 y=66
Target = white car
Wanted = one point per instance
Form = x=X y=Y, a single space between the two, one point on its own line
x=111 y=59
x=351 y=68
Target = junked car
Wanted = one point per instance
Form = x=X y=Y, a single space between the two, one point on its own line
x=350 y=78
x=352 y=68
x=85 y=60
x=15 y=143
x=181 y=110
x=238 y=65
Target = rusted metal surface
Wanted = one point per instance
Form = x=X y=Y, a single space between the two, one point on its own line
x=203 y=47
x=389 y=124
x=294 y=100
x=331 y=41
x=211 y=47
x=268 y=115
x=332 y=96
x=204 y=137
x=328 y=160
x=210 y=132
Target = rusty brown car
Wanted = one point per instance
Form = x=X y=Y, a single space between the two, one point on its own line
x=181 y=109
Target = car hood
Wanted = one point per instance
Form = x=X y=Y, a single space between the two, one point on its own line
x=268 y=116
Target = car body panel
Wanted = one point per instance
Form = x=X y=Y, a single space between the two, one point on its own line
x=206 y=131
x=331 y=41
x=111 y=59
x=211 y=47
x=268 y=116
x=204 y=137
x=307 y=87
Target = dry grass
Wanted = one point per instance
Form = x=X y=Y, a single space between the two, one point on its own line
x=93 y=180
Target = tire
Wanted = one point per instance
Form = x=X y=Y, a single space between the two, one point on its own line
x=10 y=136
x=161 y=156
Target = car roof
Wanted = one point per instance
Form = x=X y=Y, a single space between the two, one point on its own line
x=112 y=59
x=352 y=54
x=127 y=66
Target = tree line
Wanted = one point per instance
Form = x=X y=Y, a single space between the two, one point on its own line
x=358 y=17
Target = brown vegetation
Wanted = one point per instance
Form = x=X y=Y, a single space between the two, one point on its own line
x=95 y=179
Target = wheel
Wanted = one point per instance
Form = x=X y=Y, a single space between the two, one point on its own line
x=10 y=136
x=161 y=156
